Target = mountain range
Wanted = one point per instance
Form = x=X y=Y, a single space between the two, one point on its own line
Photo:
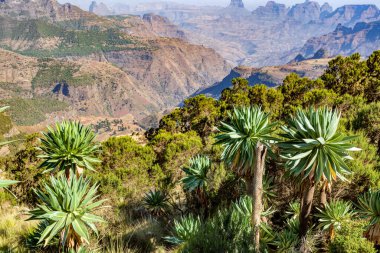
x=58 y=61
x=273 y=34
x=97 y=66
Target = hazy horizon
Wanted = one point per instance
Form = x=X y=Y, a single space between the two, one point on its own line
x=249 y=4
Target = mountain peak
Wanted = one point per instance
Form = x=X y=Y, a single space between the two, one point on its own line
x=326 y=7
x=305 y=12
x=271 y=10
x=237 y=4
x=100 y=9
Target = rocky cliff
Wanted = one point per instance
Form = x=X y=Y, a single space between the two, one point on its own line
x=363 y=38
x=305 y=12
x=100 y=9
x=271 y=10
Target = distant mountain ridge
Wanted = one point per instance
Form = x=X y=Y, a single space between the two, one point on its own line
x=363 y=38
x=270 y=35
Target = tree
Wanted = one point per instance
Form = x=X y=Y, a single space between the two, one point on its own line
x=69 y=200
x=346 y=75
x=174 y=150
x=372 y=92
x=69 y=147
x=68 y=205
x=270 y=99
x=293 y=89
x=314 y=151
x=369 y=208
x=197 y=176
x=367 y=118
x=196 y=173
x=333 y=215
x=237 y=95
x=246 y=139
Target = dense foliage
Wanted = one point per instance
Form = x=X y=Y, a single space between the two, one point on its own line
x=178 y=191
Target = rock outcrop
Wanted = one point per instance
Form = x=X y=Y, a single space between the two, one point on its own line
x=326 y=8
x=100 y=9
x=162 y=26
x=237 y=4
x=305 y=12
x=271 y=10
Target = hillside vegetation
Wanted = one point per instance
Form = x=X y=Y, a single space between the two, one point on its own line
x=191 y=185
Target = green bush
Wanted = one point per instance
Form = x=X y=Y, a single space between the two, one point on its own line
x=229 y=230
x=127 y=169
x=365 y=166
x=5 y=124
x=349 y=239
x=23 y=166
x=174 y=150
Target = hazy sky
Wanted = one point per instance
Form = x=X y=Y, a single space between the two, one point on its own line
x=249 y=3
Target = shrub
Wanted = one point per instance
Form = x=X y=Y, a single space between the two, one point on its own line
x=349 y=239
x=229 y=230
x=23 y=167
x=124 y=160
x=174 y=150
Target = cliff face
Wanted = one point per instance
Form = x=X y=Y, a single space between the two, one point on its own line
x=271 y=10
x=100 y=9
x=162 y=26
x=363 y=38
x=305 y=12
x=102 y=66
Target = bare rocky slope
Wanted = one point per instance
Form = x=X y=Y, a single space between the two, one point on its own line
x=96 y=66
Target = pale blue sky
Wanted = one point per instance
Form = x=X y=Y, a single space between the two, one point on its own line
x=249 y=3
